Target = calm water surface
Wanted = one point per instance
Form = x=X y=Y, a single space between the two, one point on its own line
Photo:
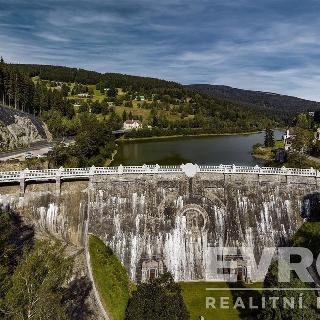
x=212 y=150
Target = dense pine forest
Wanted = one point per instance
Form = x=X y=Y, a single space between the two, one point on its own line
x=127 y=82
x=282 y=107
x=17 y=90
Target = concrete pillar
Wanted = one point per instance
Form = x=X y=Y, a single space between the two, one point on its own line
x=317 y=181
x=288 y=179
x=317 y=177
x=58 y=186
x=120 y=169
x=92 y=171
x=58 y=181
x=23 y=176
x=22 y=186
x=189 y=169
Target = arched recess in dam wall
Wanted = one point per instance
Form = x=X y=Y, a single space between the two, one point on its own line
x=155 y=222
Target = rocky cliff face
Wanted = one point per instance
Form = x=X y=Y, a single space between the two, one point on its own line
x=18 y=129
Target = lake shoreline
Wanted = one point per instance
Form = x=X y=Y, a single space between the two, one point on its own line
x=182 y=137
x=109 y=161
x=211 y=149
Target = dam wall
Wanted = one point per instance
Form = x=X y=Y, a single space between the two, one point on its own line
x=62 y=215
x=168 y=218
x=170 y=221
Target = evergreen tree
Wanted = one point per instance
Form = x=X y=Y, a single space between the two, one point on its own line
x=124 y=115
x=269 y=137
x=303 y=121
x=102 y=85
x=112 y=92
x=14 y=238
x=279 y=312
x=316 y=116
x=160 y=299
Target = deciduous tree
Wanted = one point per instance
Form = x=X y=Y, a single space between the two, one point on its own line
x=36 y=292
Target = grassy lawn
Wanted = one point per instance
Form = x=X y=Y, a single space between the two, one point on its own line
x=194 y=294
x=110 y=277
x=278 y=144
x=266 y=153
x=97 y=95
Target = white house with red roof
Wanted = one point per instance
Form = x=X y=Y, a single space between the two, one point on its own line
x=132 y=124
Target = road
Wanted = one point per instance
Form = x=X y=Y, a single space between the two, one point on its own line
x=37 y=148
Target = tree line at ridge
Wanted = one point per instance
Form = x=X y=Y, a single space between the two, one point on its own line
x=67 y=74
x=283 y=107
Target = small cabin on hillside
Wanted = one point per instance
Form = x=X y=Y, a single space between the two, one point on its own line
x=83 y=95
x=132 y=124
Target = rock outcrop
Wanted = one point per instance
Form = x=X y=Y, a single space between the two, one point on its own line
x=18 y=129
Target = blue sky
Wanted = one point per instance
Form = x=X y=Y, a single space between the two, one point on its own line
x=269 y=45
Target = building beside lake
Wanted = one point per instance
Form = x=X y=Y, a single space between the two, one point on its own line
x=132 y=124
x=288 y=138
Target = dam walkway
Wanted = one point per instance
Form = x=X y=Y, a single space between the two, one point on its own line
x=189 y=169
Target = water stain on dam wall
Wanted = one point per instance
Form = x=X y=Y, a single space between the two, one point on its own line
x=168 y=221
x=61 y=215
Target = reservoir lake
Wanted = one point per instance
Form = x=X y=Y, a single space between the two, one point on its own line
x=209 y=150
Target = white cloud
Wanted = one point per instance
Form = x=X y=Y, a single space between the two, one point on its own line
x=242 y=43
x=49 y=36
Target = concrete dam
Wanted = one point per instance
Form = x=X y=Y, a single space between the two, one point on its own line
x=165 y=218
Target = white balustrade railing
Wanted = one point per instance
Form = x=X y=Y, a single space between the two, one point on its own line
x=188 y=169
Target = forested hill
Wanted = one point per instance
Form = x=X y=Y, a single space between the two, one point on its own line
x=67 y=74
x=89 y=105
x=280 y=105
